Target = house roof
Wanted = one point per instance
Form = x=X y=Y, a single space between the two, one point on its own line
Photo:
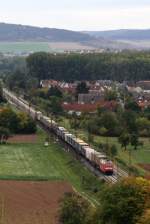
x=89 y=107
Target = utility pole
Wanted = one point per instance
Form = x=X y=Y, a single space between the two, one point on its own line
x=130 y=162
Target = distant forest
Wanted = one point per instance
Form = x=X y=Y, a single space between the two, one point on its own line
x=125 y=66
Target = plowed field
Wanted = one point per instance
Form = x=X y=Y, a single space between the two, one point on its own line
x=31 y=202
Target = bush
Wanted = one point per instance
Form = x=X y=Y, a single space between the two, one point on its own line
x=73 y=209
x=26 y=125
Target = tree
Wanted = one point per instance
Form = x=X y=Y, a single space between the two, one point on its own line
x=56 y=105
x=4 y=135
x=82 y=88
x=124 y=202
x=54 y=91
x=74 y=122
x=25 y=125
x=109 y=121
x=124 y=139
x=9 y=119
x=128 y=121
x=73 y=209
x=91 y=126
x=134 y=140
x=110 y=95
x=143 y=125
x=132 y=105
x=53 y=106
x=113 y=150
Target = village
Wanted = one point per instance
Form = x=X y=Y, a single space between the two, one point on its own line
x=100 y=93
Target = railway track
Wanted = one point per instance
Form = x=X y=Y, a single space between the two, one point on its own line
x=118 y=172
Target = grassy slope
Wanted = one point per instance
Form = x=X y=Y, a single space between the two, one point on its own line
x=36 y=162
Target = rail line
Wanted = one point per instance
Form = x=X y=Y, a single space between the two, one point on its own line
x=118 y=172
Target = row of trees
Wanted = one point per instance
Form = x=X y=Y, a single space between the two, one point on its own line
x=40 y=66
x=120 y=67
x=127 y=202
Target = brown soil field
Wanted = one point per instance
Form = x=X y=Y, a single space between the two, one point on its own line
x=25 y=202
x=23 y=139
x=69 y=46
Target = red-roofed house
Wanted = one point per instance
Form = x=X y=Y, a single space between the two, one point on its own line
x=89 y=108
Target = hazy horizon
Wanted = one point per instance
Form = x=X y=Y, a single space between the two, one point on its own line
x=91 y=15
x=148 y=28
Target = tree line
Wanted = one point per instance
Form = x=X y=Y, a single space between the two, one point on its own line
x=27 y=73
x=70 y=67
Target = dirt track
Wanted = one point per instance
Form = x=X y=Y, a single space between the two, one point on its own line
x=24 y=202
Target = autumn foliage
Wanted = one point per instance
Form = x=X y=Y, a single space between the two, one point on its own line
x=126 y=202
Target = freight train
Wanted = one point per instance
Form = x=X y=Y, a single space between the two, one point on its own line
x=97 y=159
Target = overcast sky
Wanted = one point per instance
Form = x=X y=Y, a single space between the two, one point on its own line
x=77 y=14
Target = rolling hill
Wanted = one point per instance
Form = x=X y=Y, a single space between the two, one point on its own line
x=123 y=34
x=23 y=38
x=136 y=38
x=13 y=32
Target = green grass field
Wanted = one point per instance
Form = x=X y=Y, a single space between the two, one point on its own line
x=37 y=162
x=139 y=156
x=18 y=47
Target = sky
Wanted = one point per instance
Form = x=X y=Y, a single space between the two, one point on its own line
x=78 y=15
